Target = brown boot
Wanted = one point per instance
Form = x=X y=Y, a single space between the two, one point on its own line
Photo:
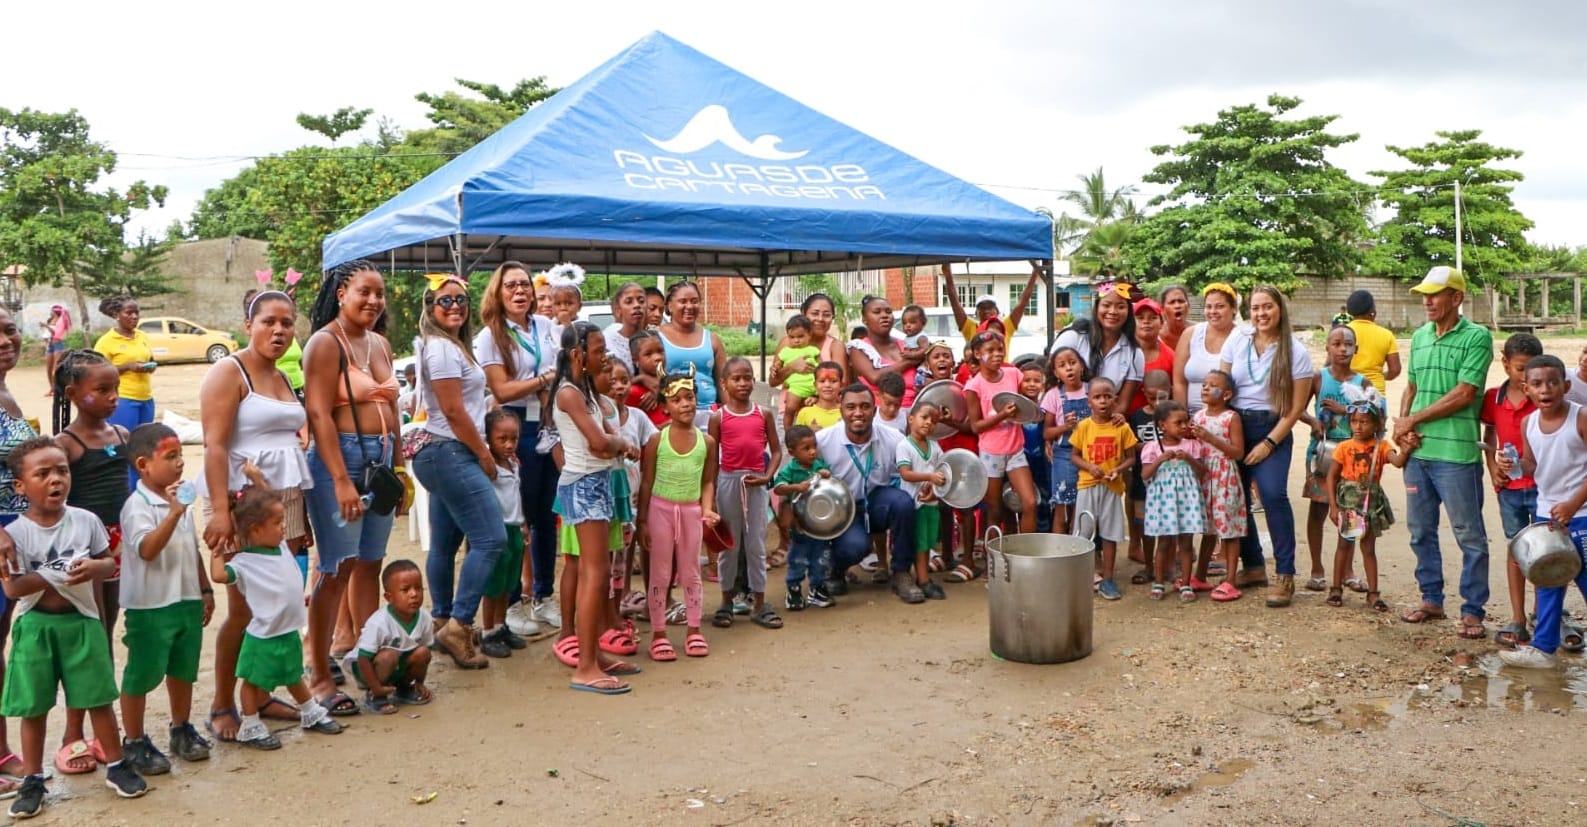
x=1250 y=578
x=1281 y=592
x=457 y=641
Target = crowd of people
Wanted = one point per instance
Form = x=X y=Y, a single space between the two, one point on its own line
x=630 y=450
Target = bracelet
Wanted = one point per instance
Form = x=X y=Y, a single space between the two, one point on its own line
x=401 y=469
x=1270 y=443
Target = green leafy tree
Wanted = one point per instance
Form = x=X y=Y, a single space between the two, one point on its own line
x=54 y=215
x=137 y=271
x=336 y=124
x=461 y=121
x=1094 y=238
x=1253 y=199
x=1421 y=232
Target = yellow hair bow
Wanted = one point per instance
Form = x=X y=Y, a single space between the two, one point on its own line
x=436 y=280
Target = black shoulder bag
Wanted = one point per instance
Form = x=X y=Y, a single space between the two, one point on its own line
x=378 y=479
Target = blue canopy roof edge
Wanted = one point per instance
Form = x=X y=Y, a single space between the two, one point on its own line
x=593 y=165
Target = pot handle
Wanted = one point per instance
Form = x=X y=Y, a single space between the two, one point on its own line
x=1092 y=534
x=995 y=554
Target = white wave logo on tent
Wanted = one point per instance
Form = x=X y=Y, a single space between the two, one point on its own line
x=764 y=173
x=713 y=125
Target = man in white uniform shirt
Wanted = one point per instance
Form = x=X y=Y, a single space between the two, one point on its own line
x=862 y=457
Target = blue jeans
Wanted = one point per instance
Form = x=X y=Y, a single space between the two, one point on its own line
x=1551 y=601
x=462 y=504
x=885 y=509
x=804 y=560
x=537 y=488
x=1458 y=488
x=364 y=538
x=1271 y=476
x=1516 y=507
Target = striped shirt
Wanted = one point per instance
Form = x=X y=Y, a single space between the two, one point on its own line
x=1439 y=363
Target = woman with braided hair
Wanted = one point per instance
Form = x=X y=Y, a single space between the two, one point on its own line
x=128 y=349
x=350 y=395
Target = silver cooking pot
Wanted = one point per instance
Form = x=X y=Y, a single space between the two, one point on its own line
x=1039 y=595
x=1546 y=555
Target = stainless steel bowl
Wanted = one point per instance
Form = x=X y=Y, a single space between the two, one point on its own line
x=1323 y=458
x=825 y=511
x=946 y=396
x=1011 y=499
x=966 y=479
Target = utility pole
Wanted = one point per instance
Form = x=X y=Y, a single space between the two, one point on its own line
x=1457 y=225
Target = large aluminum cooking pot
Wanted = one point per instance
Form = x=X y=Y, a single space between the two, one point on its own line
x=947 y=396
x=825 y=510
x=966 y=479
x=1039 y=596
x=1546 y=555
x=1323 y=458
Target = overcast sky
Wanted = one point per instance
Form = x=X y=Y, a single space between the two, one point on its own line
x=1017 y=96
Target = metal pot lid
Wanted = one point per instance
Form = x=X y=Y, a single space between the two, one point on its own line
x=947 y=396
x=966 y=479
x=1029 y=411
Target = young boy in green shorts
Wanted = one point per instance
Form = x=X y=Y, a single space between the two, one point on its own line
x=166 y=599
x=57 y=639
x=392 y=657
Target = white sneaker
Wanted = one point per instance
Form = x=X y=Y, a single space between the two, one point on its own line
x=547 y=612
x=1527 y=657
x=870 y=563
x=520 y=622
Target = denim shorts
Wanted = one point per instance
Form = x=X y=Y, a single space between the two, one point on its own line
x=364 y=538
x=586 y=499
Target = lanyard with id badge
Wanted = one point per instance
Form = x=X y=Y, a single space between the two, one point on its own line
x=863 y=512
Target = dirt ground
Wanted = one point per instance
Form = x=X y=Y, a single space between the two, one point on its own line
x=873 y=712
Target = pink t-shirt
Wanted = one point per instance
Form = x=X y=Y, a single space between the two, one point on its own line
x=1007 y=438
x=1151 y=449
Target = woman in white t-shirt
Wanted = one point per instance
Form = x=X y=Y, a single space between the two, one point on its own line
x=457 y=468
x=519 y=356
x=1107 y=342
x=1272 y=374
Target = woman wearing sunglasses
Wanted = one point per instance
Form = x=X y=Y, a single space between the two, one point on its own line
x=456 y=467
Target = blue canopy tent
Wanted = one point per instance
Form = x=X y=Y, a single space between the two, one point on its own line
x=663 y=161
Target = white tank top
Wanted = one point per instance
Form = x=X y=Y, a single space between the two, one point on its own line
x=1197 y=365
x=1560 y=470
x=577 y=461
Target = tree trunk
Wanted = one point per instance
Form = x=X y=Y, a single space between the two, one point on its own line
x=82 y=308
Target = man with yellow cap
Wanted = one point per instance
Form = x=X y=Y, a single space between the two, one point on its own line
x=1438 y=424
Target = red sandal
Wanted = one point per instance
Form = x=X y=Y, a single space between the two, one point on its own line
x=661 y=650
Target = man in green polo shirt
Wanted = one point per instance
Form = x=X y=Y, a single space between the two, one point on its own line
x=1438 y=425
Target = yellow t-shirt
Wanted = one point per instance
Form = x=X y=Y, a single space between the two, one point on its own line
x=1374 y=343
x=121 y=350
x=818 y=417
x=1102 y=444
x=972 y=327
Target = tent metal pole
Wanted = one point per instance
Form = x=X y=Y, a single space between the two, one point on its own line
x=459 y=244
x=765 y=288
x=1052 y=300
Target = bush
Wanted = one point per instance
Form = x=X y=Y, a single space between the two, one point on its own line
x=76 y=339
x=738 y=342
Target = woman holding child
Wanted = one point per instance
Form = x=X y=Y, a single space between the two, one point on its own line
x=519 y=356
x=819 y=309
x=250 y=414
x=880 y=351
x=1272 y=374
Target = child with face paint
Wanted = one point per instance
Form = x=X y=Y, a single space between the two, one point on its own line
x=1328 y=421
x=96 y=451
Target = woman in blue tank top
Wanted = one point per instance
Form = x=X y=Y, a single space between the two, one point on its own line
x=687 y=343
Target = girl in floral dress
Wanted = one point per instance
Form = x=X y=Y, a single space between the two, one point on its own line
x=1171 y=467
x=1218 y=426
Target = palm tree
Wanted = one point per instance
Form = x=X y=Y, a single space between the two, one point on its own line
x=1106 y=218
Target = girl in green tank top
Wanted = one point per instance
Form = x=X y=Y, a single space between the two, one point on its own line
x=677 y=500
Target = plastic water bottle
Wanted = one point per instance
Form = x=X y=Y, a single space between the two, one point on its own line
x=364 y=501
x=1514 y=457
x=186 y=493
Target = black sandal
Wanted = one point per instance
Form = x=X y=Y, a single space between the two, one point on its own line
x=1512 y=635
x=1375 y=600
x=1336 y=596
x=766 y=618
x=723 y=617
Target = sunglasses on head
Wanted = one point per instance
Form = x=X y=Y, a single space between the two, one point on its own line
x=449 y=302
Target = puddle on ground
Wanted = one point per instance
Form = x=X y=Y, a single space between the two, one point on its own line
x=1375 y=715
x=1226 y=773
x=1489 y=685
